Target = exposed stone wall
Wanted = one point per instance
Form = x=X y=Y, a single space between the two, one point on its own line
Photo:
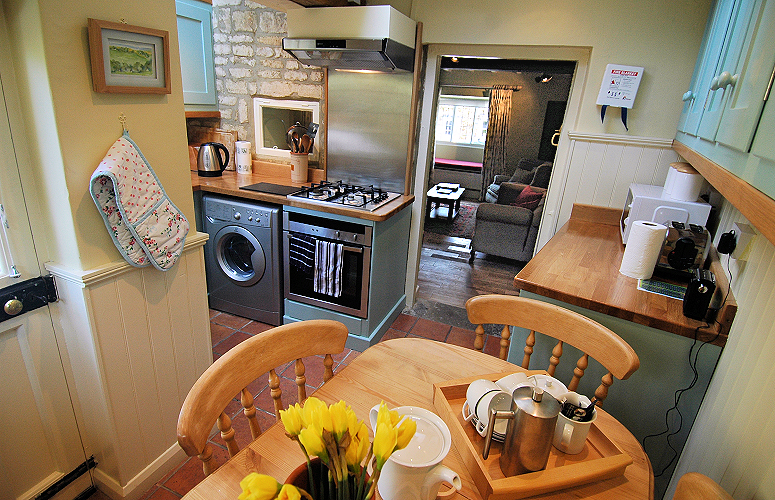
x=250 y=62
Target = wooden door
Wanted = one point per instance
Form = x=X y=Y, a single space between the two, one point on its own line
x=39 y=434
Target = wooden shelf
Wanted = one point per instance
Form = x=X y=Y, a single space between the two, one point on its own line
x=755 y=206
x=203 y=114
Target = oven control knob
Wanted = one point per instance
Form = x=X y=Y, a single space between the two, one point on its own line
x=237 y=216
x=355 y=237
x=338 y=234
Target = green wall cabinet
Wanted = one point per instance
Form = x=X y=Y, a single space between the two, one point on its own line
x=726 y=116
x=195 y=40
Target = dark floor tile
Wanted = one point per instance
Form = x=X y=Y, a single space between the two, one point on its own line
x=314 y=371
x=289 y=396
x=404 y=322
x=461 y=337
x=492 y=345
x=393 y=334
x=219 y=332
x=430 y=329
x=255 y=327
x=158 y=493
x=190 y=473
x=230 y=320
x=230 y=341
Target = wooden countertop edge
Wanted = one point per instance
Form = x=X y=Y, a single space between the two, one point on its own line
x=715 y=334
x=384 y=212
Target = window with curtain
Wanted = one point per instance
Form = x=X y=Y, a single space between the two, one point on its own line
x=462 y=120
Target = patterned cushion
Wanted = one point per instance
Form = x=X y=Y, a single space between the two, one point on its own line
x=528 y=199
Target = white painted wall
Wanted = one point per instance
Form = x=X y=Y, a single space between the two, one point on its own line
x=133 y=340
x=663 y=36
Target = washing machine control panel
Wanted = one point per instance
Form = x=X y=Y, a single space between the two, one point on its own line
x=245 y=215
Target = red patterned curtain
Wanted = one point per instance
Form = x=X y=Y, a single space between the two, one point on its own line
x=494 y=161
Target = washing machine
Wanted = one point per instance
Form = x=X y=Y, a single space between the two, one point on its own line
x=243 y=257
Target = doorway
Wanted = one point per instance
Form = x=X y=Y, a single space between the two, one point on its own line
x=538 y=93
x=490 y=60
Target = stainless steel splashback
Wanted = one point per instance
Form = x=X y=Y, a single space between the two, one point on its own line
x=368 y=128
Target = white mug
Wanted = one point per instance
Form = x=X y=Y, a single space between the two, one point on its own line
x=416 y=472
x=570 y=435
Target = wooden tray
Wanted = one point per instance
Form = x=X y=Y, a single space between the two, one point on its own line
x=600 y=459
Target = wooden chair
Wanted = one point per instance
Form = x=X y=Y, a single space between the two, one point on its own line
x=231 y=373
x=566 y=326
x=696 y=486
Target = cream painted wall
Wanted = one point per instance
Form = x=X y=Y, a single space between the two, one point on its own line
x=663 y=36
x=70 y=127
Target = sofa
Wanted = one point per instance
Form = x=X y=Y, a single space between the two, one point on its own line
x=509 y=227
x=530 y=171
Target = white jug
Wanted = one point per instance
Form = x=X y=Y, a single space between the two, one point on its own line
x=416 y=472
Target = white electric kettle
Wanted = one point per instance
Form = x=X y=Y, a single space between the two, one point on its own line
x=416 y=472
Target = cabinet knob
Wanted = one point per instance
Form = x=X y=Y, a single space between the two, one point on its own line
x=724 y=79
x=13 y=307
x=688 y=95
x=714 y=84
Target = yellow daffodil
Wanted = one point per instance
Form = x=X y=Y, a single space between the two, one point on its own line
x=259 y=487
x=359 y=446
x=292 y=419
x=339 y=420
x=385 y=438
x=289 y=492
x=313 y=443
x=316 y=414
x=389 y=416
x=405 y=433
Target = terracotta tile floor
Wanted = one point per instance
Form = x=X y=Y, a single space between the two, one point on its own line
x=228 y=330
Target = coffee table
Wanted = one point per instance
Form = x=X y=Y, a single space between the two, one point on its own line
x=444 y=194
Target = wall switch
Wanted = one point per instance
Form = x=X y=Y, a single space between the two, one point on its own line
x=745 y=235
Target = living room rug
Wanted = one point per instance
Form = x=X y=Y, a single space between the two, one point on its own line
x=462 y=226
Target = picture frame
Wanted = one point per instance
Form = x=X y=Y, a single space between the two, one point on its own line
x=129 y=59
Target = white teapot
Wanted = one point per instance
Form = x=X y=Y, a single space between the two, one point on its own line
x=416 y=472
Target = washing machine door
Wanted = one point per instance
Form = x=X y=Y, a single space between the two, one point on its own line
x=239 y=255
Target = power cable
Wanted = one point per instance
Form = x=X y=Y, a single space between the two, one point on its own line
x=695 y=377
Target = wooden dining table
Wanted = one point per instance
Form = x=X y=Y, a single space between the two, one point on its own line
x=402 y=372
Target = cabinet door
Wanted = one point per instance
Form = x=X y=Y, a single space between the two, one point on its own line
x=763 y=143
x=710 y=54
x=742 y=112
x=195 y=40
x=744 y=24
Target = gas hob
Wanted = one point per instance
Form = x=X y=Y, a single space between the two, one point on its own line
x=366 y=198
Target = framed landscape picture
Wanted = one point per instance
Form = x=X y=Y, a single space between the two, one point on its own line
x=129 y=59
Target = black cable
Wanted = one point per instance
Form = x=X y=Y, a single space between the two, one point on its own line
x=695 y=377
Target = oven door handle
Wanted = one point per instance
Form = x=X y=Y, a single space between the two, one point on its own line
x=345 y=247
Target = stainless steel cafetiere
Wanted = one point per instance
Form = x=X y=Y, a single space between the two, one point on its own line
x=529 y=434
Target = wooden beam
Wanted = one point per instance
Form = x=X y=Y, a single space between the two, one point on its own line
x=322 y=3
x=755 y=206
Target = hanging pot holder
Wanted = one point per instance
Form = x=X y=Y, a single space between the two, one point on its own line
x=145 y=225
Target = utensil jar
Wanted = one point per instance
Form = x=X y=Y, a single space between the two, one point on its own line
x=533 y=418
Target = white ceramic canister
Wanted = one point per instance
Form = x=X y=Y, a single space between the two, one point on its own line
x=683 y=182
x=416 y=472
x=243 y=159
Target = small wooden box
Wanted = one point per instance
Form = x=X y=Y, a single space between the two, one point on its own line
x=600 y=459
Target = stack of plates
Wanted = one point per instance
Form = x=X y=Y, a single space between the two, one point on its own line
x=499 y=433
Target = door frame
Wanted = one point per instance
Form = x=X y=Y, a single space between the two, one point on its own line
x=427 y=117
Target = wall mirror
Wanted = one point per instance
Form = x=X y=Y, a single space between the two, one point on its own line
x=273 y=118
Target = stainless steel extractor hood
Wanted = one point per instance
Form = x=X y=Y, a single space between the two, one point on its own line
x=374 y=37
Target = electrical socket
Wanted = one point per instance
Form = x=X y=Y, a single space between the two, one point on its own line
x=745 y=235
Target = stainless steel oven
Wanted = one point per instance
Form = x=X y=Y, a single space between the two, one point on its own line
x=301 y=262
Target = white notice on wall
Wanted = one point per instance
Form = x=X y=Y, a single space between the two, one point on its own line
x=620 y=84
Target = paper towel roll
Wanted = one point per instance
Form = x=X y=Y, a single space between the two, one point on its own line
x=642 y=250
x=244 y=160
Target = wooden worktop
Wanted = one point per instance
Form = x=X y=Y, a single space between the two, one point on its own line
x=580 y=266
x=229 y=184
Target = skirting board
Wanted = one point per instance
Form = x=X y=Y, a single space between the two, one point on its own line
x=142 y=482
